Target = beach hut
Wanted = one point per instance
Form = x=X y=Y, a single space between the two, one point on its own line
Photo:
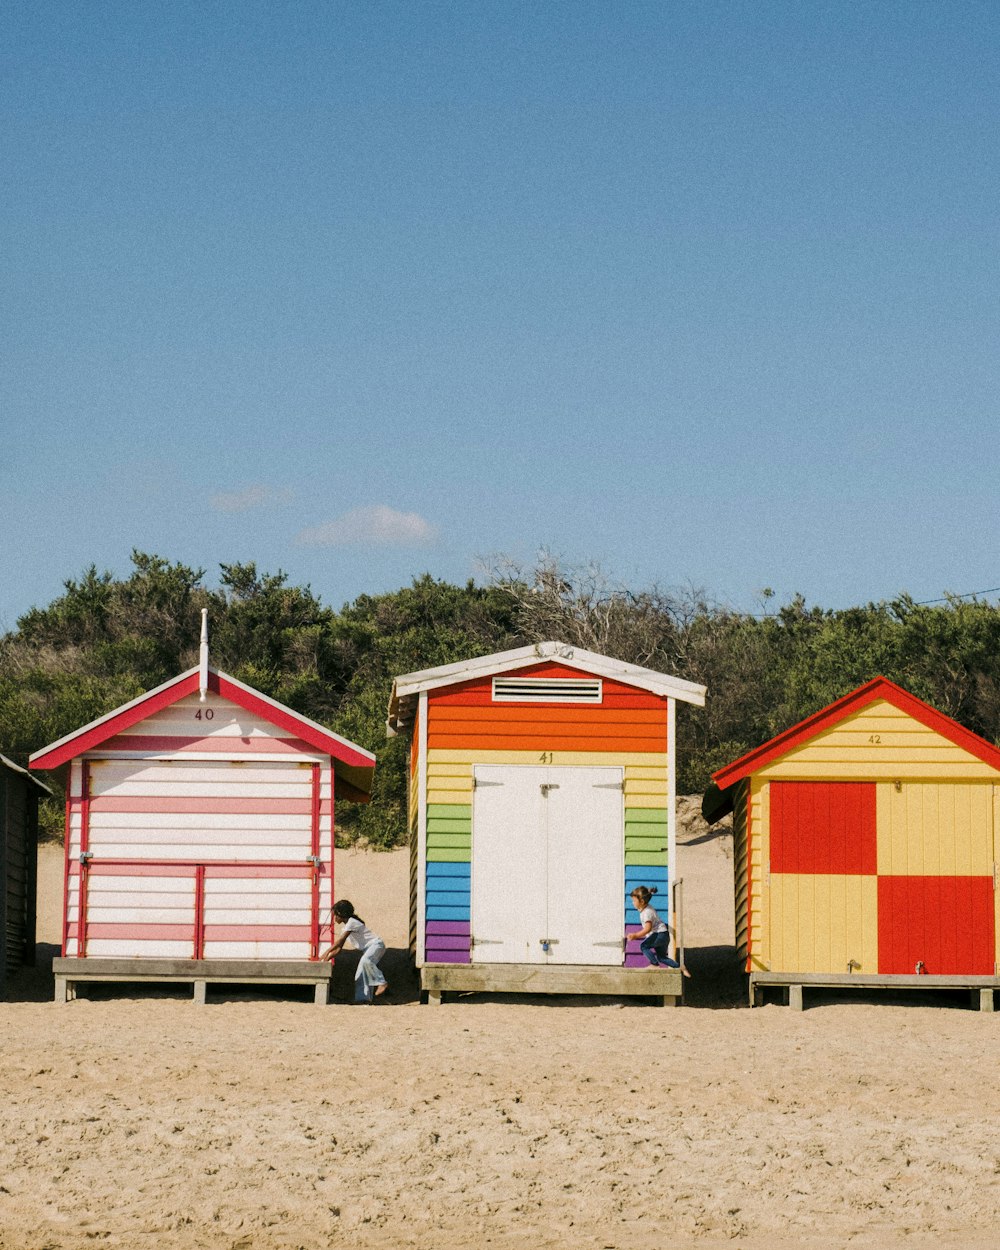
x=865 y=849
x=19 y=795
x=541 y=792
x=200 y=836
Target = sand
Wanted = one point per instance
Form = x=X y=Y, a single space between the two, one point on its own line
x=135 y=1118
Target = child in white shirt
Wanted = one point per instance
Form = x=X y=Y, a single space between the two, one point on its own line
x=654 y=936
x=369 y=981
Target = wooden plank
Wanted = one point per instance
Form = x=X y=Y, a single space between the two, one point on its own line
x=552 y=979
x=192 y=969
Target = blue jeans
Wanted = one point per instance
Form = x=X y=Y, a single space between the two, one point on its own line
x=655 y=946
x=369 y=974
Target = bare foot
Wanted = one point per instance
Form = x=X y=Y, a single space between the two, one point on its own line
x=381 y=989
x=685 y=972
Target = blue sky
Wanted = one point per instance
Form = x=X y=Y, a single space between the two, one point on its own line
x=705 y=292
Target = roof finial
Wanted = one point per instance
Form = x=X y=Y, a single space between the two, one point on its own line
x=203 y=657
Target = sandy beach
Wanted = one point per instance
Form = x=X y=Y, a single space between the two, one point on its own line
x=133 y=1118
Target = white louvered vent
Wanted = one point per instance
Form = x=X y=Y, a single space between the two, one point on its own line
x=547 y=690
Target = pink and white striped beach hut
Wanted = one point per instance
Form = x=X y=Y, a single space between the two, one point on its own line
x=200 y=836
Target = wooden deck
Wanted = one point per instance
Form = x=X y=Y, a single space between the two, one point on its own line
x=661 y=983
x=199 y=973
x=981 y=989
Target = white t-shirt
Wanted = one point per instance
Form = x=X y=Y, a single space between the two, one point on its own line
x=649 y=916
x=360 y=935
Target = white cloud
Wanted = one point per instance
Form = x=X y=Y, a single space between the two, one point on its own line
x=376 y=526
x=258 y=496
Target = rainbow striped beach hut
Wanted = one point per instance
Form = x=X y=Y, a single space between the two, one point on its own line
x=541 y=792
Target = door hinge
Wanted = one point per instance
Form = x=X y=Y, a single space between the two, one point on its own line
x=619 y=943
x=474 y=941
x=608 y=785
x=476 y=783
x=546 y=786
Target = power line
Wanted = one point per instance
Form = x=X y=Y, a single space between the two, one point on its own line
x=972 y=594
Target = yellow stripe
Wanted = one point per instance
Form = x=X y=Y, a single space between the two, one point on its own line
x=877 y=742
x=449 y=796
x=870 y=769
x=644 y=787
x=611 y=759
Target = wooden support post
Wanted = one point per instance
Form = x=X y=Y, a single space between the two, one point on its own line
x=435 y=998
x=322 y=997
x=986 y=1002
x=671 y=1000
x=62 y=990
x=200 y=992
x=756 y=995
x=795 y=997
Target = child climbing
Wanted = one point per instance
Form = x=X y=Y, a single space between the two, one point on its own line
x=369 y=982
x=654 y=936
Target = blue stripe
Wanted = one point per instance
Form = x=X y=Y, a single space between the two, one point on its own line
x=638 y=874
x=448 y=898
x=448 y=913
x=632 y=916
x=440 y=869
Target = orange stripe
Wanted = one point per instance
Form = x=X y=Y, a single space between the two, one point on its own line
x=542 y=742
x=496 y=714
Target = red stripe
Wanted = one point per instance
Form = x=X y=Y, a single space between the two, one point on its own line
x=183 y=932
x=84 y=846
x=186 y=867
x=480 y=689
x=258 y=932
x=317 y=808
x=197 y=805
x=66 y=842
x=199 y=912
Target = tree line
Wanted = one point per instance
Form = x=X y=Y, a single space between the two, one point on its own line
x=105 y=640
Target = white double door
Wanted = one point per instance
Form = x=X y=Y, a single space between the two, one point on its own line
x=547 y=865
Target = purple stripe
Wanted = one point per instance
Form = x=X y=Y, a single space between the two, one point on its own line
x=442 y=942
x=448 y=957
x=636 y=961
x=457 y=928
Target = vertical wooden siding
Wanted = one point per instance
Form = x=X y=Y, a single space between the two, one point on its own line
x=888 y=872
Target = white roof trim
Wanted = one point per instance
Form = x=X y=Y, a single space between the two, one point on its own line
x=410 y=684
x=257 y=694
x=110 y=715
x=16 y=768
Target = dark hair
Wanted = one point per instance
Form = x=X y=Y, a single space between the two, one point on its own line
x=343 y=910
x=643 y=894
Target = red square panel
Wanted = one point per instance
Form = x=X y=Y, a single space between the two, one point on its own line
x=945 y=923
x=823 y=827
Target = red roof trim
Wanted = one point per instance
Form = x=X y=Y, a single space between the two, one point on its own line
x=825 y=718
x=87 y=739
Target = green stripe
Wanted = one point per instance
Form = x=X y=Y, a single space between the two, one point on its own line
x=646 y=816
x=449 y=811
x=444 y=855
x=449 y=839
x=645 y=859
x=654 y=842
x=440 y=825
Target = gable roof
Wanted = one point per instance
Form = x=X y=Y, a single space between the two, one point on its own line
x=407 y=687
x=352 y=763
x=16 y=768
x=879 y=688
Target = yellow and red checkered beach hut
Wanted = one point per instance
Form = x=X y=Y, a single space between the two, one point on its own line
x=865 y=848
